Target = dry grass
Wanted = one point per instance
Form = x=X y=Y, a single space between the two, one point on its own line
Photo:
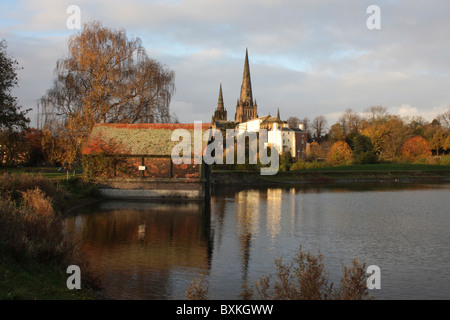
x=303 y=278
x=29 y=225
x=198 y=290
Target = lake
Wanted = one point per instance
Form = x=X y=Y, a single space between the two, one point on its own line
x=145 y=250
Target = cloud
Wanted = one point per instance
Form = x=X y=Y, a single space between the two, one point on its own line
x=307 y=57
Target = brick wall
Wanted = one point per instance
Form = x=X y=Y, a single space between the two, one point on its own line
x=154 y=168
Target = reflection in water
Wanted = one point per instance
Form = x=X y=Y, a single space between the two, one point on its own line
x=136 y=247
x=153 y=251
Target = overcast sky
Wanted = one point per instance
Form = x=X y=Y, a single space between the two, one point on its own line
x=307 y=58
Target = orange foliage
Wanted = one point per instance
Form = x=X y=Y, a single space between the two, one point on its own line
x=101 y=145
x=340 y=153
x=415 y=148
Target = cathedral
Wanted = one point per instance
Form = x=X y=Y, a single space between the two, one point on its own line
x=246 y=119
x=246 y=108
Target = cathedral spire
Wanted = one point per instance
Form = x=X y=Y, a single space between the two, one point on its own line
x=246 y=87
x=220 y=102
x=220 y=113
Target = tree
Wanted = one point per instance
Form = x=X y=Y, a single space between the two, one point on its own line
x=314 y=151
x=336 y=132
x=293 y=122
x=33 y=146
x=444 y=119
x=438 y=141
x=285 y=161
x=416 y=148
x=377 y=113
x=11 y=117
x=340 y=154
x=363 y=150
x=107 y=78
x=388 y=136
x=319 y=124
x=350 y=122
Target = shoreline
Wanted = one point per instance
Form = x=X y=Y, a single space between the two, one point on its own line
x=236 y=178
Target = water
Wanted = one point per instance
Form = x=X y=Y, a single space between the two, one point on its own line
x=153 y=250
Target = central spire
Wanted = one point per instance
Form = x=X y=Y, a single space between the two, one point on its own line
x=246 y=87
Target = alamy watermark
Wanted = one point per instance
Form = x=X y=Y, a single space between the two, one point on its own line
x=74 y=281
x=73 y=21
x=374 y=20
x=213 y=153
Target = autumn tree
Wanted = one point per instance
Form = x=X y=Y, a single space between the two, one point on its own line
x=340 y=154
x=107 y=78
x=416 y=148
x=388 y=136
x=336 y=132
x=314 y=151
x=438 y=141
x=35 y=155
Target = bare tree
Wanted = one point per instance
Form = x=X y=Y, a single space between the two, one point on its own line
x=107 y=78
x=377 y=113
x=319 y=125
x=293 y=122
x=444 y=119
x=350 y=121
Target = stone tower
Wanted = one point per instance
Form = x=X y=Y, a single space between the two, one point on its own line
x=245 y=108
x=220 y=113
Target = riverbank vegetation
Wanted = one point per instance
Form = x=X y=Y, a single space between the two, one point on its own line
x=33 y=249
x=303 y=278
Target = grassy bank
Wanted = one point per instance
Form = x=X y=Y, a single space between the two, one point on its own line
x=33 y=249
x=52 y=173
x=367 y=172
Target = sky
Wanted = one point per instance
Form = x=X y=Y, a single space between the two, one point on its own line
x=307 y=57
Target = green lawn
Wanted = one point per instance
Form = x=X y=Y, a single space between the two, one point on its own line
x=382 y=167
x=29 y=280
x=48 y=172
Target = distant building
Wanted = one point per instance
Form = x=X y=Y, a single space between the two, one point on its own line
x=220 y=114
x=285 y=139
x=280 y=136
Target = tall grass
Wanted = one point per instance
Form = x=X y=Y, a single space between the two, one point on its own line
x=31 y=223
x=303 y=278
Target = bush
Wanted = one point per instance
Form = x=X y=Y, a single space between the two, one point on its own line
x=31 y=229
x=305 y=165
x=13 y=185
x=415 y=149
x=285 y=161
x=304 y=278
x=363 y=150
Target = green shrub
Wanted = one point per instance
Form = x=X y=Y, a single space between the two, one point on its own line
x=305 y=165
